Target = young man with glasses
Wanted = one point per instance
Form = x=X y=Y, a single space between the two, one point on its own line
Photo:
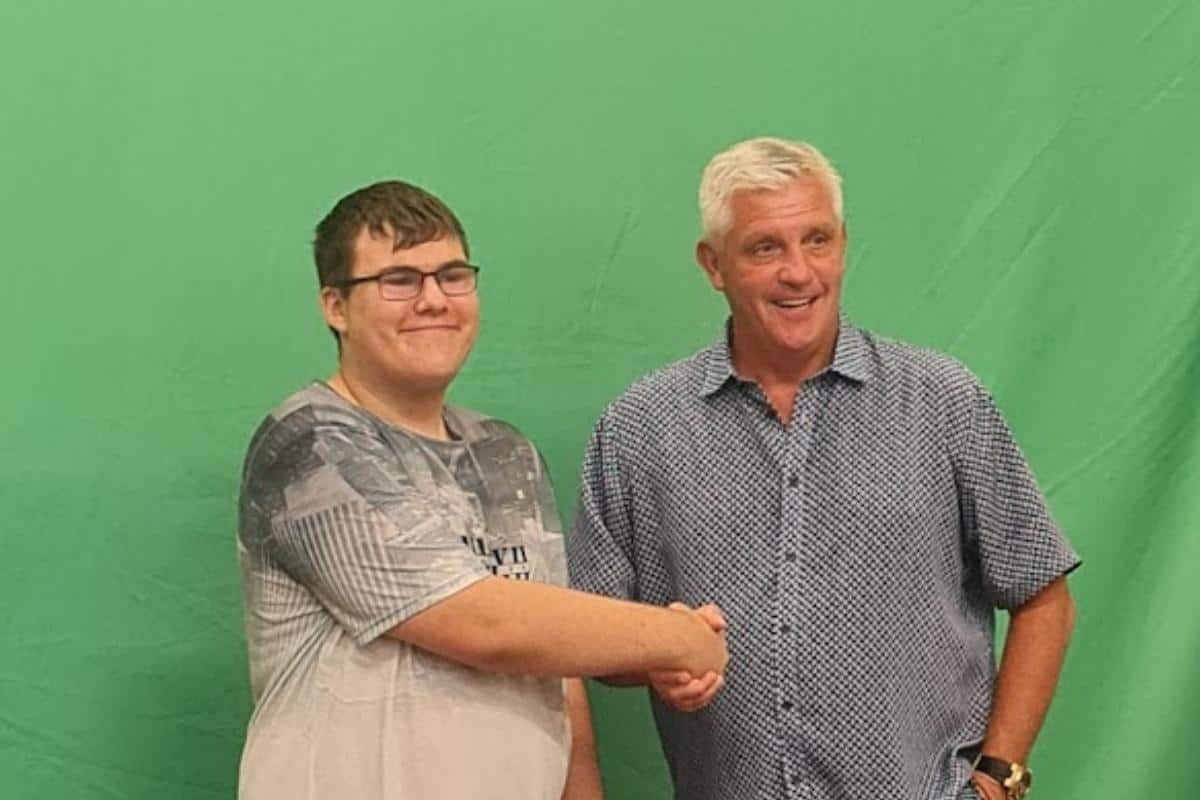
x=389 y=655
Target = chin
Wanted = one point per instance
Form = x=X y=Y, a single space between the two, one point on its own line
x=424 y=381
x=812 y=334
x=797 y=346
x=792 y=338
x=423 y=376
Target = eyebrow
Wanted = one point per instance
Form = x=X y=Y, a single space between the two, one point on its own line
x=457 y=262
x=807 y=230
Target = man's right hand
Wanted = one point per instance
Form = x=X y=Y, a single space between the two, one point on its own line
x=683 y=690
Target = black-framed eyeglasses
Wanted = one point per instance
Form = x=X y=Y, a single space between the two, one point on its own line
x=405 y=283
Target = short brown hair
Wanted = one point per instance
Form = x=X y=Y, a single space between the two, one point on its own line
x=409 y=213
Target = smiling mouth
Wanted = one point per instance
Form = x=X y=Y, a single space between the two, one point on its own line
x=804 y=303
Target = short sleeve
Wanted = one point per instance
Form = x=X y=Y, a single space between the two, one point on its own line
x=360 y=525
x=1020 y=546
x=550 y=523
x=598 y=550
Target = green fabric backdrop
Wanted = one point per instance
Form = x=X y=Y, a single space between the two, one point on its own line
x=1022 y=191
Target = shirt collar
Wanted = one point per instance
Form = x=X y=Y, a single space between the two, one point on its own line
x=851 y=358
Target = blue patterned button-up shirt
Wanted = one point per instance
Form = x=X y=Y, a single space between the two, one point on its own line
x=857 y=553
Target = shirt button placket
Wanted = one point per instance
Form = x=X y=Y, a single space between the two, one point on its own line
x=791 y=564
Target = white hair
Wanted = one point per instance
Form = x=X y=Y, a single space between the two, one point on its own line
x=755 y=164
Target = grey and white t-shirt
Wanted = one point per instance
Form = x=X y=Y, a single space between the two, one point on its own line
x=347 y=527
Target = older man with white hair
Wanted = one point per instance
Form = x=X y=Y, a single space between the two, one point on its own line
x=856 y=506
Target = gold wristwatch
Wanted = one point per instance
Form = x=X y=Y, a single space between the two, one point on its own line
x=1015 y=778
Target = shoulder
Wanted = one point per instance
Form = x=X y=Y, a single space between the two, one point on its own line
x=905 y=366
x=296 y=429
x=660 y=392
x=472 y=425
x=477 y=428
x=930 y=386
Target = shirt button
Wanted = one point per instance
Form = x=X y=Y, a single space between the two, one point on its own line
x=786 y=705
x=793 y=481
x=785 y=629
x=789 y=556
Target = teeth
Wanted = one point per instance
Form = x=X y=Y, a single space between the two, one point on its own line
x=794 y=303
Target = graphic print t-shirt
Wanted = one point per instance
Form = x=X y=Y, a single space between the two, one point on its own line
x=347 y=527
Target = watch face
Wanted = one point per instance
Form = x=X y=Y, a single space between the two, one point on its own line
x=1014 y=778
x=1017 y=782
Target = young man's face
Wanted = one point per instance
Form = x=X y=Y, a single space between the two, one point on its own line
x=419 y=344
x=780 y=267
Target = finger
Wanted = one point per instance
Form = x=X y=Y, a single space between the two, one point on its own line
x=675 y=695
x=668 y=678
x=697 y=703
x=716 y=687
x=705 y=684
x=691 y=705
x=695 y=689
x=713 y=616
x=685 y=704
x=677 y=606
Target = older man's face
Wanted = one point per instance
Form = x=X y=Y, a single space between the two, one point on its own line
x=780 y=267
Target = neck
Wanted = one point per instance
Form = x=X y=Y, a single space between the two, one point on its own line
x=780 y=373
x=419 y=412
x=777 y=367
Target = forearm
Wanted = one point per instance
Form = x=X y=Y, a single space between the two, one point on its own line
x=583 y=772
x=503 y=625
x=1034 y=649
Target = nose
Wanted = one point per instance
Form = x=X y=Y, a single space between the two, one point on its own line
x=795 y=270
x=431 y=298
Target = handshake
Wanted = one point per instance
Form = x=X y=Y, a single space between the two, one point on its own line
x=693 y=688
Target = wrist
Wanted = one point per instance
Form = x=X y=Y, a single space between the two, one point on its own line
x=1011 y=779
x=687 y=641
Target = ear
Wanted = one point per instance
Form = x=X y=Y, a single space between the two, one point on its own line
x=333 y=308
x=706 y=257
